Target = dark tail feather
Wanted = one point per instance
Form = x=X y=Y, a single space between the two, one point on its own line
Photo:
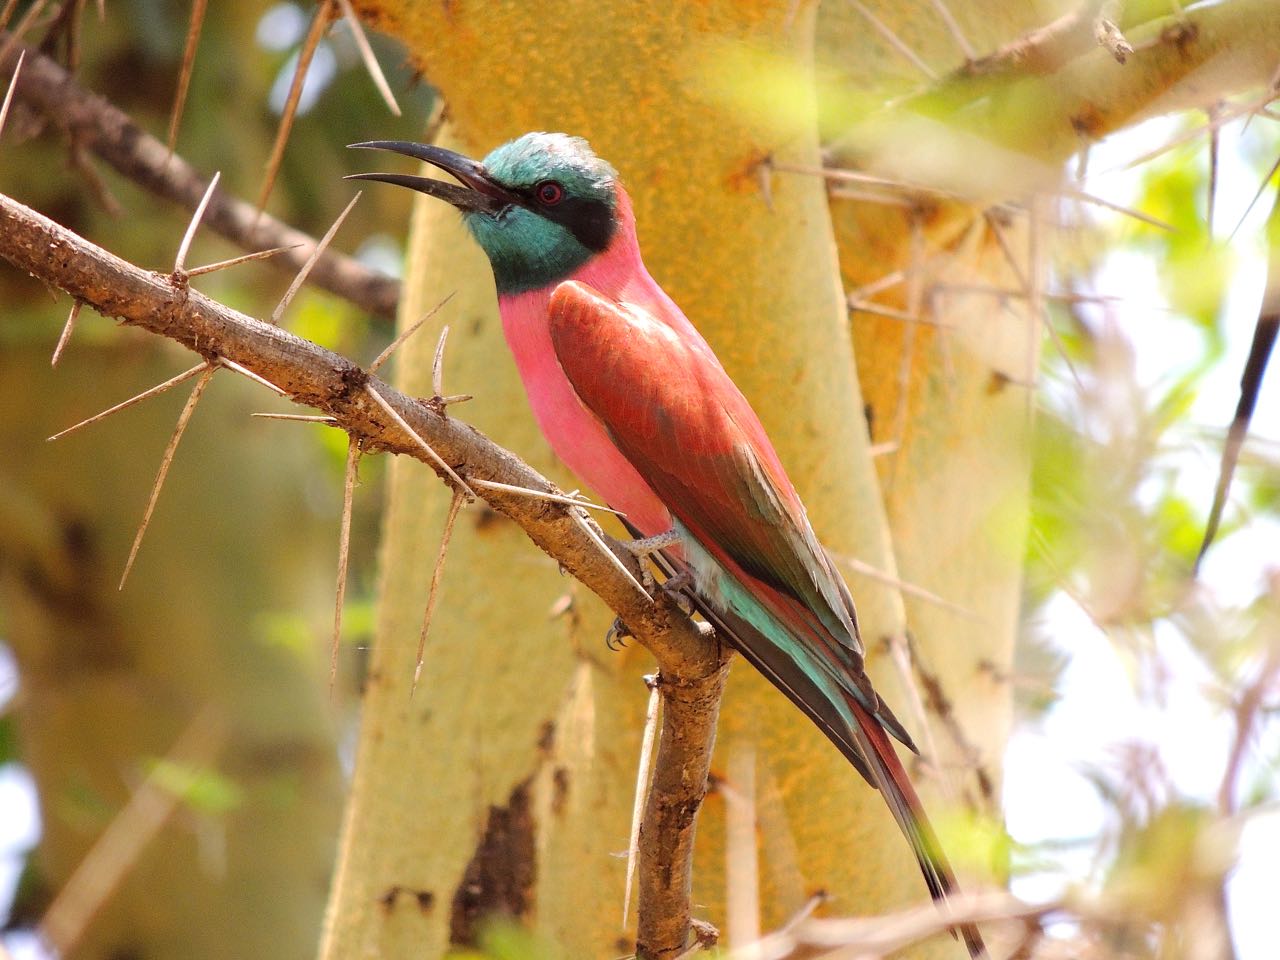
x=889 y=776
x=867 y=748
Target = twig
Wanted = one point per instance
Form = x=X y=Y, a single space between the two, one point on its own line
x=90 y=120
x=692 y=667
x=433 y=591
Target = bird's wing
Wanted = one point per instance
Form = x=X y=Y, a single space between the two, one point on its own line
x=674 y=413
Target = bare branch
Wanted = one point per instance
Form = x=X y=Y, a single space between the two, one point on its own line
x=88 y=119
x=692 y=668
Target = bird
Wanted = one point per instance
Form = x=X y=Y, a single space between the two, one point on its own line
x=634 y=401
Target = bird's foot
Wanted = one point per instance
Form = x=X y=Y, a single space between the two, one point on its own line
x=615 y=637
x=675 y=587
x=647 y=546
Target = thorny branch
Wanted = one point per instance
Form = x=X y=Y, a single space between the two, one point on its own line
x=48 y=91
x=692 y=667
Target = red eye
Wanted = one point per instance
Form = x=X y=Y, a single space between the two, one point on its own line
x=549 y=193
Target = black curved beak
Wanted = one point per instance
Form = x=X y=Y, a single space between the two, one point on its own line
x=479 y=191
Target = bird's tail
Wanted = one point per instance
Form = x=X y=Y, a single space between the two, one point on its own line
x=890 y=778
x=865 y=743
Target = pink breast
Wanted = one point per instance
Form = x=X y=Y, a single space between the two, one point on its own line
x=575 y=434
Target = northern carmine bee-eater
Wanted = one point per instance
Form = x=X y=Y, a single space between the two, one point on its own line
x=632 y=399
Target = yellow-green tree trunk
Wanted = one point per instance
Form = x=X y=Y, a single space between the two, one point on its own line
x=522 y=739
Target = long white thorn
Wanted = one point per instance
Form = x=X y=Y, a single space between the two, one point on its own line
x=13 y=85
x=403 y=424
x=565 y=498
x=124 y=405
x=179 y=262
x=344 y=554
x=588 y=525
x=433 y=592
x=165 y=462
x=67 y=329
x=408 y=332
x=366 y=54
x=236 y=261
x=642 y=790
x=301 y=278
x=246 y=372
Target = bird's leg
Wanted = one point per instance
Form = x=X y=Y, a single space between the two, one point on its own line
x=647 y=546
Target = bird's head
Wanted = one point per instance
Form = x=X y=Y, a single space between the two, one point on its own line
x=540 y=206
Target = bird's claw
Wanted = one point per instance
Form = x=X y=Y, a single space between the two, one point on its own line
x=615 y=637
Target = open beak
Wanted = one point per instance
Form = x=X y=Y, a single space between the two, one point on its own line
x=479 y=192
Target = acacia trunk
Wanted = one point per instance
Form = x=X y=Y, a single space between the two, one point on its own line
x=505 y=783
